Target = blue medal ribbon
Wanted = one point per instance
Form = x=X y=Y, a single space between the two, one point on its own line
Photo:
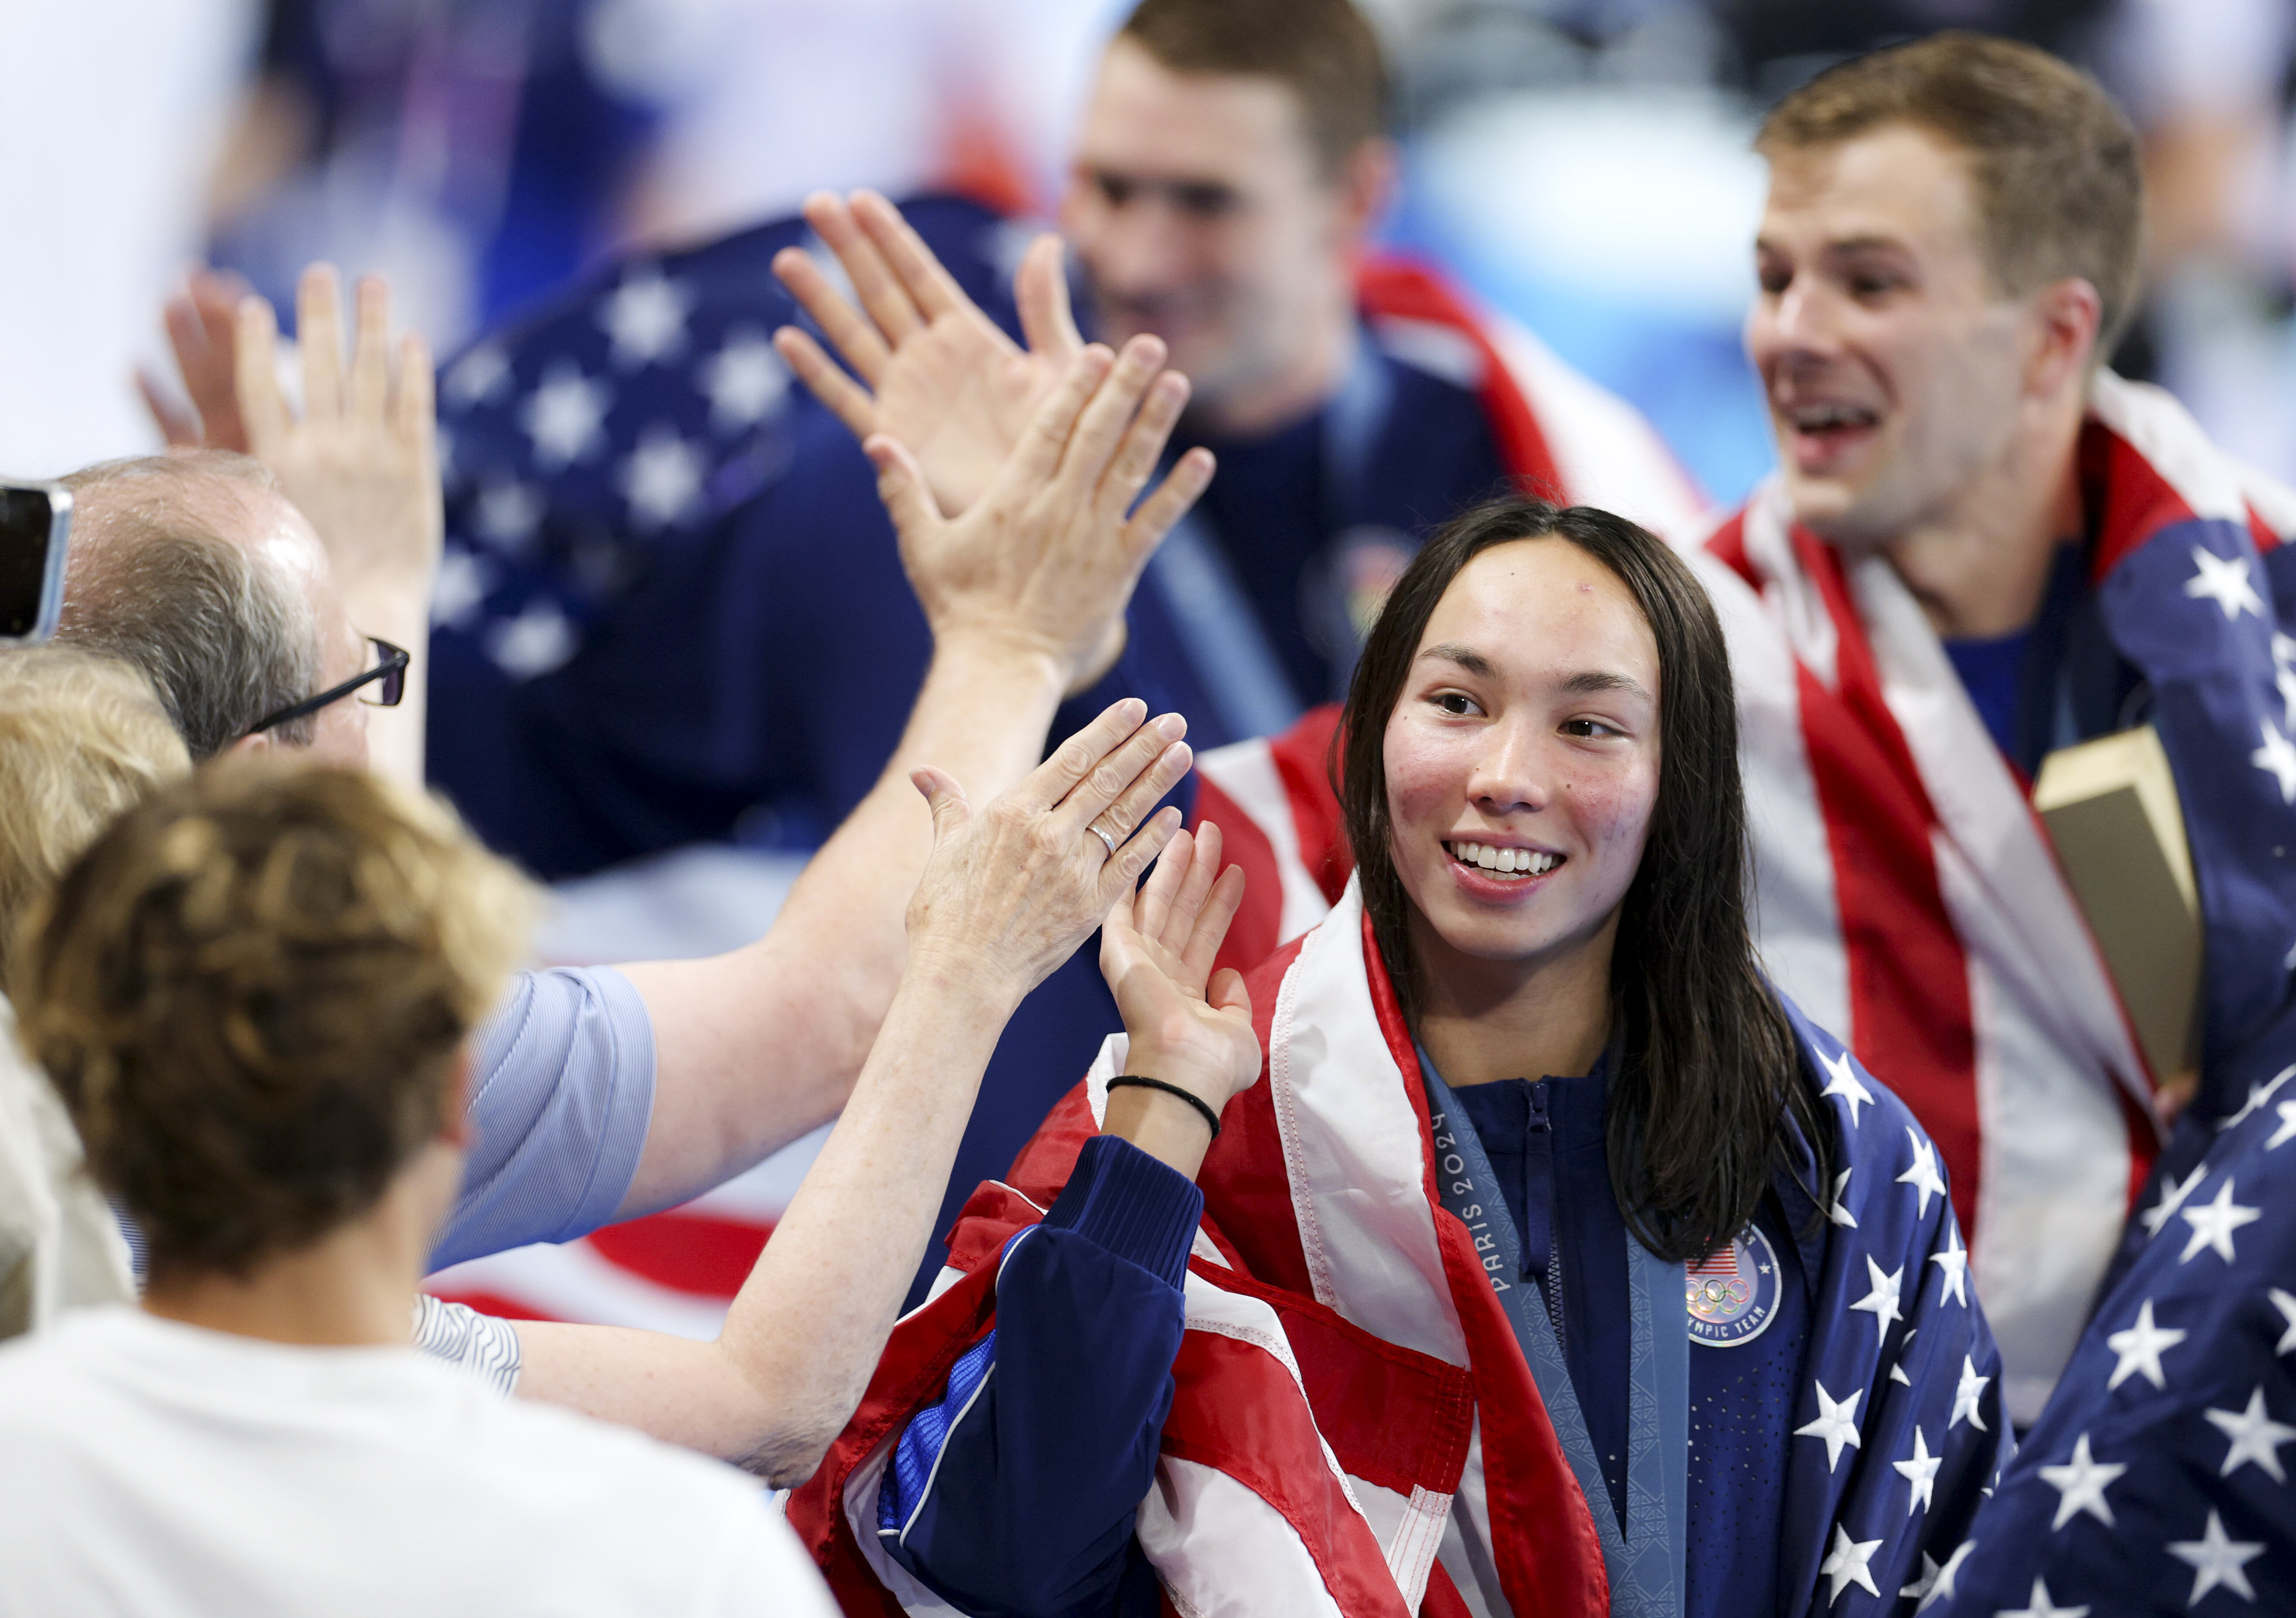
x=1218 y=625
x=1643 y=1555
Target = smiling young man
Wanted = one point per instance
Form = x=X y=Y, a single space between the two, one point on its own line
x=1980 y=547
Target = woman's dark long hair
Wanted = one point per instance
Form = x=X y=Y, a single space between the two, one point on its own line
x=1709 y=1069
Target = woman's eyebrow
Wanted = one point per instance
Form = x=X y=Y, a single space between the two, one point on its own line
x=1465 y=657
x=1594 y=681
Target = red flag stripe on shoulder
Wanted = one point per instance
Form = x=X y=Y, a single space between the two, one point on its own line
x=2135 y=500
x=1728 y=543
x=1411 y=292
x=1247 y=1191
x=1308 y=759
x=1534 y=1500
x=1912 y=1017
x=1252 y=938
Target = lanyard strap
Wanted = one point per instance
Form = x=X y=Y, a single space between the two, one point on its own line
x=1644 y=1555
x=1219 y=629
x=1216 y=622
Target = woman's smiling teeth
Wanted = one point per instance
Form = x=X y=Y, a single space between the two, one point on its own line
x=1504 y=861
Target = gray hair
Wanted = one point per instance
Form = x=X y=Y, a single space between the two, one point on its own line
x=155 y=580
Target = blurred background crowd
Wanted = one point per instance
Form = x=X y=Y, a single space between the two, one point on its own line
x=1583 y=165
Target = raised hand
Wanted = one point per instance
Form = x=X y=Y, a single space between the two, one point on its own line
x=199 y=321
x=362 y=460
x=1012 y=889
x=936 y=372
x=1046 y=558
x=1186 y=1024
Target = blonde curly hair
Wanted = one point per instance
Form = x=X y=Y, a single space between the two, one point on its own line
x=251 y=992
x=82 y=736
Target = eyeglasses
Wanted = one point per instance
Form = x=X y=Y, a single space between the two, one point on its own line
x=388 y=677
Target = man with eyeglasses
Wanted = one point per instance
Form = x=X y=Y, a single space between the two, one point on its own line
x=268 y=596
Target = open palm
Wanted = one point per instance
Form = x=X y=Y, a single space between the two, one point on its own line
x=935 y=372
x=1185 y=1024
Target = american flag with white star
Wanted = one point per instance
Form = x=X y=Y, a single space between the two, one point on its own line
x=1898 y=1423
x=2157 y=1480
x=638 y=411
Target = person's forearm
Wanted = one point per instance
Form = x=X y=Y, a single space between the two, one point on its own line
x=805 y=1331
x=1023 y=1495
x=400 y=614
x=756 y=1048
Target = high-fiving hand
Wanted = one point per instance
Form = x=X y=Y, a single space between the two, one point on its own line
x=1184 y=1024
x=936 y=372
x=1045 y=558
x=360 y=460
x=200 y=320
x=1012 y=889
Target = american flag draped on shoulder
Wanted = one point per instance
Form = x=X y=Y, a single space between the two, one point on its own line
x=1391 y=1411
x=2157 y=1479
x=1906 y=894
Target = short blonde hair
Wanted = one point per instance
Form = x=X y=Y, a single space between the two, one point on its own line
x=82 y=737
x=2059 y=187
x=251 y=991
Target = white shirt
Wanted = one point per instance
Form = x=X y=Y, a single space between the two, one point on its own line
x=59 y=1247
x=155 y=1468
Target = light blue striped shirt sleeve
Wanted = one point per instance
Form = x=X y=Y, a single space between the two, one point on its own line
x=561 y=1089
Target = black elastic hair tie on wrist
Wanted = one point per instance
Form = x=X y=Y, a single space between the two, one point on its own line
x=1212 y=1118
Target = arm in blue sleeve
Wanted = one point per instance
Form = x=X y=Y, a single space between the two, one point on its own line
x=1016 y=1493
x=562 y=1091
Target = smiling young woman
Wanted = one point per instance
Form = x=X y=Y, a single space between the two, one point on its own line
x=1400 y=1325
x=1554 y=680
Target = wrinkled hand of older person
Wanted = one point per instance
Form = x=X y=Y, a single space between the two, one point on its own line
x=1011 y=890
x=1047 y=559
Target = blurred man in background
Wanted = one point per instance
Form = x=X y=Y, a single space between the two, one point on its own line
x=1982 y=547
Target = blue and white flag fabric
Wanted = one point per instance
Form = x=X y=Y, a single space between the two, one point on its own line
x=2157 y=1479
x=599 y=456
x=1902 y=1425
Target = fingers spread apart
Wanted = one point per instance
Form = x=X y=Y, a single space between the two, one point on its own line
x=884 y=298
x=1101 y=427
x=930 y=287
x=1161 y=511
